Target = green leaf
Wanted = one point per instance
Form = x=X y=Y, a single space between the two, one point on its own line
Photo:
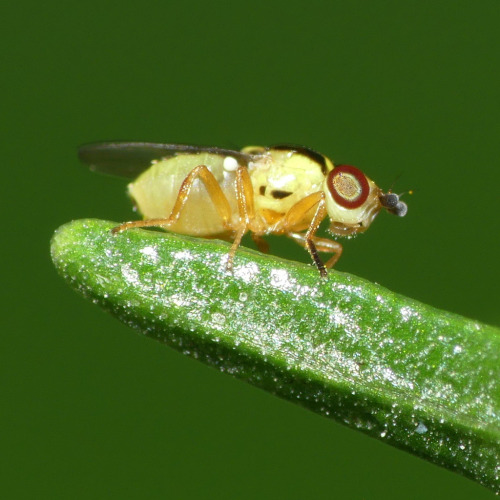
x=421 y=379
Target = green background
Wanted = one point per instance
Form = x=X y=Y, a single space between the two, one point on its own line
x=408 y=89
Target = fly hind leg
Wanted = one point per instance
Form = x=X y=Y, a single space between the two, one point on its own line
x=214 y=191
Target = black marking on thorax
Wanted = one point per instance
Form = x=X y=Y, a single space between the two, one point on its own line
x=279 y=195
x=310 y=153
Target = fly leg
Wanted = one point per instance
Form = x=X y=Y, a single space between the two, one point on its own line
x=261 y=243
x=246 y=212
x=214 y=190
x=295 y=218
x=322 y=245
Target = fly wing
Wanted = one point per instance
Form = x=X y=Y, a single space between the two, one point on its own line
x=129 y=159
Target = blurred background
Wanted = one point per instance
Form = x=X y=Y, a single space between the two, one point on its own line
x=407 y=91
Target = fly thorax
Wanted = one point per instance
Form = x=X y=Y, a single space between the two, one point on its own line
x=282 y=179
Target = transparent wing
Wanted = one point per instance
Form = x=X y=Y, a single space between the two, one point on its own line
x=129 y=159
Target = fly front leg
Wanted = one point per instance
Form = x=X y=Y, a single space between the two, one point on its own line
x=214 y=191
x=322 y=245
x=295 y=219
x=246 y=211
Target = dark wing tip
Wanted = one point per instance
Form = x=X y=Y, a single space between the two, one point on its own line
x=122 y=159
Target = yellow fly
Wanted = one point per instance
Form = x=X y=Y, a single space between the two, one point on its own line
x=218 y=193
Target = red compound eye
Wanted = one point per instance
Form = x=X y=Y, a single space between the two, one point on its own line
x=348 y=186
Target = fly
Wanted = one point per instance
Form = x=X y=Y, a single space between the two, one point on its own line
x=212 y=192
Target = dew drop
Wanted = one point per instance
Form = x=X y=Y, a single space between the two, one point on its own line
x=218 y=319
x=421 y=428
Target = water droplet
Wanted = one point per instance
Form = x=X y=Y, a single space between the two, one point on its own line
x=150 y=252
x=421 y=428
x=218 y=319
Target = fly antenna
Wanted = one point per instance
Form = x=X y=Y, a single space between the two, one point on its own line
x=410 y=192
x=394 y=182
